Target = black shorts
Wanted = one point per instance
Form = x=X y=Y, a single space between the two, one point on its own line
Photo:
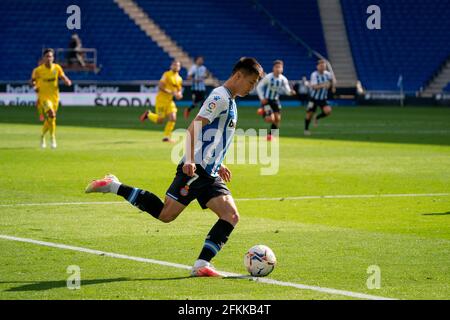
x=313 y=104
x=184 y=189
x=198 y=96
x=271 y=107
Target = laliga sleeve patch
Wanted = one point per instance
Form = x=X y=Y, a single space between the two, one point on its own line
x=211 y=106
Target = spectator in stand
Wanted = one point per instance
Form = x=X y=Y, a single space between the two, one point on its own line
x=75 y=54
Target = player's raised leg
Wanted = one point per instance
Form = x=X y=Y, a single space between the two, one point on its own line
x=170 y=125
x=310 y=111
x=45 y=128
x=269 y=118
x=153 y=117
x=51 y=112
x=326 y=111
x=276 y=123
x=142 y=199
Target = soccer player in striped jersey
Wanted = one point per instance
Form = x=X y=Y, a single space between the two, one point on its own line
x=321 y=81
x=197 y=73
x=269 y=90
x=200 y=174
x=44 y=80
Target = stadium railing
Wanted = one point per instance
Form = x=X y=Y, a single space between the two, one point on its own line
x=68 y=60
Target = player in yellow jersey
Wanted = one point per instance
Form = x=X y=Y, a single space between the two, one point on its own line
x=44 y=80
x=170 y=87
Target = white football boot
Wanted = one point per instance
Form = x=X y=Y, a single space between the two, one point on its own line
x=110 y=183
x=43 y=142
x=203 y=268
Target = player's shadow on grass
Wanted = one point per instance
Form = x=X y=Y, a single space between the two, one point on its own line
x=437 y=214
x=57 y=284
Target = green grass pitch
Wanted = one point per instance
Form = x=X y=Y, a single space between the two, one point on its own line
x=324 y=242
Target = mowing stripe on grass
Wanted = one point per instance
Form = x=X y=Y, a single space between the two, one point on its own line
x=182 y=266
x=342 y=196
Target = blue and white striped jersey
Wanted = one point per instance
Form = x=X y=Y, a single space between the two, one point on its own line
x=270 y=87
x=215 y=138
x=198 y=74
x=318 y=78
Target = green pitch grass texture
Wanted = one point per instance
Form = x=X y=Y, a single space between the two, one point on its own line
x=324 y=242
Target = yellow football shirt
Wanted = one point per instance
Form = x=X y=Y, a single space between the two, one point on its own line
x=47 y=81
x=173 y=82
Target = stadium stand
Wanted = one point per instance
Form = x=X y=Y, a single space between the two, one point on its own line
x=447 y=87
x=301 y=17
x=216 y=30
x=124 y=51
x=411 y=42
x=224 y=31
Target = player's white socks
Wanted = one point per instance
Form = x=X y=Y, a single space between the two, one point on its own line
x=115 y=186
x=200 y=263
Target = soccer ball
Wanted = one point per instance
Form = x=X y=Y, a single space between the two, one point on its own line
x=260 y=260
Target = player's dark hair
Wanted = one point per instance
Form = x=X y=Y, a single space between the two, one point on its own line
x=320 y=61
x=248 y=66
x=47 y=50
x=198 y=57
x=278 y=62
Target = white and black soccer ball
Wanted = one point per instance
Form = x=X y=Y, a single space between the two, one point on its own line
x=260 y=260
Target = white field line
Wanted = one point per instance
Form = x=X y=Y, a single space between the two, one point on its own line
x=61 y=203
x=182 y=266
x=350 y=196
x=342 y=196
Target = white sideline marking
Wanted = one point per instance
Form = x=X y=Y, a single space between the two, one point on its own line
x=342 y=196
x=352 y=196
x=60 y=203
x=182 y=266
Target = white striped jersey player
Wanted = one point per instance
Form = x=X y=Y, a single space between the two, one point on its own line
x=198 y=74
x=319 y=78
x=270 y=87
x=220 y=109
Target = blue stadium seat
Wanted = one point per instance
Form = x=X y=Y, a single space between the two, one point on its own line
x=413 y=41
x=300 y=17
x=224 y=31
x=447 y=87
